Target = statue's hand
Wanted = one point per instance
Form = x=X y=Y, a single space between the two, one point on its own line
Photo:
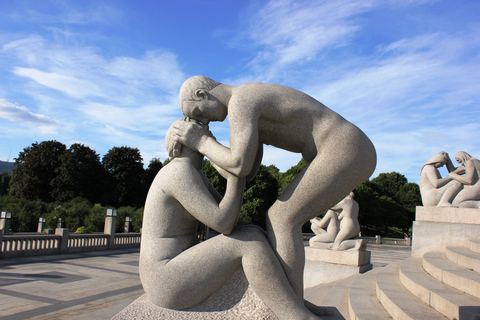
x=191 y=133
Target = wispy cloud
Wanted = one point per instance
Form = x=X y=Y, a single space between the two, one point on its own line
x=16 y=113
x=288 y=32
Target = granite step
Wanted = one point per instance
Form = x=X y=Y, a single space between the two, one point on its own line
x=451 y=302
x=363 y=303
x=398 y=301
x=474 y=245
x=332 y=296
x=338 y=296
x=446 y=271
x=464 y=257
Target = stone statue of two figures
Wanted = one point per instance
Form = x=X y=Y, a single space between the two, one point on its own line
x=339 y=226
x=460 y=188
x=179 y=272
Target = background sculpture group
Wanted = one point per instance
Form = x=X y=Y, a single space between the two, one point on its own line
x=177 y=271
x=338 y=227
x=460 y=188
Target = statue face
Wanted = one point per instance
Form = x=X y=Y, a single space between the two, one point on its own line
x=204 y=110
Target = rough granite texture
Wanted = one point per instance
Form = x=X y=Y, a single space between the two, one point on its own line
x=236 y=300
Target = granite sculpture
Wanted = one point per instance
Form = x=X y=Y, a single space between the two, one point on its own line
x=339 y=155
x=435 y=190
x=460 y=188
x=179 y=272
x=338 y=227
x=468 y=174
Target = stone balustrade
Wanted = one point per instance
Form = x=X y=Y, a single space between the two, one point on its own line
x=63 y=241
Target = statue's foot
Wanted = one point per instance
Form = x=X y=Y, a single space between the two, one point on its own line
x=360 y=244
x=318 y=311
x=446 y=204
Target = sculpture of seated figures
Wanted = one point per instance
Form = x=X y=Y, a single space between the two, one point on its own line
x=468 y=175
x=435 y=190
x=177 y=271
x=338 y=227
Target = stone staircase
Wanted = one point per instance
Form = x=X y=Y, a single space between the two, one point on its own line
x=440 y=285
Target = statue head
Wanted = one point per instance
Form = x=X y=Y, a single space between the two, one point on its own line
x=197 y=102
x=438 y=160
x=462 y=157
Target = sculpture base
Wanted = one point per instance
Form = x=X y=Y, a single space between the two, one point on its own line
x=325 y=265
x=436 y=228
x=236 y=300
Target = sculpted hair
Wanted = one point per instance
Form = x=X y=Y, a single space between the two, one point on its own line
x=463 y=155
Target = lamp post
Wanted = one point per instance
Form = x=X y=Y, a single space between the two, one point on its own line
x=5 y=220
x=110 y=221
x=128 y=220
x=110 y=226
x=41 y=224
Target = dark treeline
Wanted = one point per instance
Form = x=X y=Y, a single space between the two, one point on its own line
x=53 y=181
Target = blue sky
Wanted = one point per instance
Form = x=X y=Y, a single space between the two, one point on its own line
x=107 y=73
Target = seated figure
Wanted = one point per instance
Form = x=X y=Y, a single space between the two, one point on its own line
x=179 y=272
x=338 y=227
x=435 y=190
x=468 y=175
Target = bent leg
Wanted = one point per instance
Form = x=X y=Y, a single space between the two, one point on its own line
x=203 y=269
x=319 y=186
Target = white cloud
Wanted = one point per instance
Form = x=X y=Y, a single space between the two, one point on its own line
x=16 y=113
x=290 y=32
x=76 y=88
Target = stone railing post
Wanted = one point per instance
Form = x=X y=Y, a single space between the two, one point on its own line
x=1 y=242
x=110 y=226
x=409 y=241
x=5 y=220
x=65 y=233
x=378 y=239
x=41 y=225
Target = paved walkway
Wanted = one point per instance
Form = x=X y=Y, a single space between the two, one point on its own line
x=94 y=285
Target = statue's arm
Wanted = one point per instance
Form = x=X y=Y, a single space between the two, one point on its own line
x=200 y=203
x=431 y=173
x=215 y=194
x=241 y=158
x=468 y=178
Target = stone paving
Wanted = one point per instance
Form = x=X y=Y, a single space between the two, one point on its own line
x=94 y=285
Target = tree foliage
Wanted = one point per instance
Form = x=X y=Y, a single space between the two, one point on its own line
x=388 y=200
x=35 y=168
x=259 y=196
x=80 y=174
x=124 y=166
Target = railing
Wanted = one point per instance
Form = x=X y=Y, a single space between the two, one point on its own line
x=20 y=245
x=127 y=240
x=25 y=245
x=87 y=242
x=374 y=240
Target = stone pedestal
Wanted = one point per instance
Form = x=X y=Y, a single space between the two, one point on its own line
x=435 y=228
x=236 y=300
x=324 y=265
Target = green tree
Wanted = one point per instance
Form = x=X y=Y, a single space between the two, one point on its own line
x=80 y=174
x=4 y=183
x=35 y=168
x=387 y=201
x=287 y=177
x=125 y=169
x=259 y=196
x=153 y=168
x=25 y=213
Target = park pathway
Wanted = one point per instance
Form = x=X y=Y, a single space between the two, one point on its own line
x=94 y=285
